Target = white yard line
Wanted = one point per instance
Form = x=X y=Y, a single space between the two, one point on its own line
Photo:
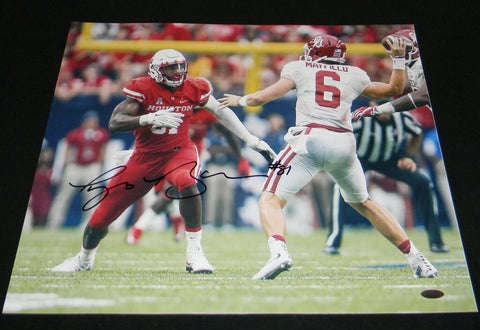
x=15 y=303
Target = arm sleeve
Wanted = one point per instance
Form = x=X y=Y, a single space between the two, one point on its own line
x=362 y=81
x=227 y=117
x=288 y=71
x=204 y=89
x=131 y=90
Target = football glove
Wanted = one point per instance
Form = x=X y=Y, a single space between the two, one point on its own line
x=261 y=147
x=162 y=118
x=364 y=112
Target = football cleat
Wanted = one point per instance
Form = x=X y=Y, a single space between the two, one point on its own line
x=439 y=248
x=133 y=236
x=74 y=264
x=197 y=263
x=274 y=266
x=422 y=268
x=331 y=250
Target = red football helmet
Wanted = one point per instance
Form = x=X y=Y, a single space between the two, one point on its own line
x=324 y=48
x=412 y=50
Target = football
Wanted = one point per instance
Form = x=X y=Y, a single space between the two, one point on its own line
x=391 y=37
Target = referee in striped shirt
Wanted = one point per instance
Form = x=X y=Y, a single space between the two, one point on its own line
x=388 y=144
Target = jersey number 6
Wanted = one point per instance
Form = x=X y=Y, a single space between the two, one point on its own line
x=333 y=100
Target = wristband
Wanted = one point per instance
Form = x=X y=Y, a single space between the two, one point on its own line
x=144 y=120
x=398 y=63
x=385 y=108
x=249 y=139
x=243 y=101
x=411 y=99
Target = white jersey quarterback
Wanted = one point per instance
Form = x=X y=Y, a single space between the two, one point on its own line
x=322 y=139
x=325 y=92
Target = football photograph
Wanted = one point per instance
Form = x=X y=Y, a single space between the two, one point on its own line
x=240 y=169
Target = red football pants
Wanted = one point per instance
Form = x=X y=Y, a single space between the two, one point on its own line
x=179 y=168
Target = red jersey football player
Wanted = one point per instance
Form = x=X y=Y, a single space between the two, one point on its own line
x=201 y=122
x=158 y=109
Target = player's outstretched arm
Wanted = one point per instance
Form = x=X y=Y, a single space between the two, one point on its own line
x=406 y=102
x=228 y=119
x=273 y=92
x=412 y=100
x=379 y=90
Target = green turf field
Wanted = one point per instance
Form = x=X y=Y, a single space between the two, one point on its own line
x=370 y=276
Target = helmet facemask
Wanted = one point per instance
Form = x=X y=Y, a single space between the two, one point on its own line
x=168 y=67
x=321 y=48
x=412 y=53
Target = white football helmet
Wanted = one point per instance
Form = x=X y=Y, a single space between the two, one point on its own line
x=168 y=67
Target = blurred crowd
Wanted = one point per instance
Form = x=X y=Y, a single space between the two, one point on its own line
x=103 y=74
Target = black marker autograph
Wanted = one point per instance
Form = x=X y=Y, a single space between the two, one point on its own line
x=202 y=187
x=104 y=191
x=100 y=182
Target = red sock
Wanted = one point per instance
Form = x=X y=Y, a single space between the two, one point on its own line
x=177 y=224
x=279 y=237
x=405 y=247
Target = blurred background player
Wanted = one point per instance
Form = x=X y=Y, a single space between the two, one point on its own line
x=201 y=122
x=80 y=163
x=323 y=141
x=158 y=109
x=388 y=144
x=417 y=99
x=41 y=193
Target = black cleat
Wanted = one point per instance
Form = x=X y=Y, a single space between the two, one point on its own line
x=330 y=250
x=439 y=248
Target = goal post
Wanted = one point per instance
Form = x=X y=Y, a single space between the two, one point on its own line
x=255 y=50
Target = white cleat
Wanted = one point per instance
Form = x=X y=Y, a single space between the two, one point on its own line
x=73 y=264
x=197 y=263
x=274 y=266
x=422 y=268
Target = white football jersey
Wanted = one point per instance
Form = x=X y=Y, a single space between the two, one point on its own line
x=415 y=75
x=325 y=92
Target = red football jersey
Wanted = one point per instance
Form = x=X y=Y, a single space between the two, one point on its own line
x=154 y=97
x=87 y=144
x=425 y=116
x=201 y=122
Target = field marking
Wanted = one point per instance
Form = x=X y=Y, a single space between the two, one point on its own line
x=17 y=302
x=415 y=286
x=440 y=265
